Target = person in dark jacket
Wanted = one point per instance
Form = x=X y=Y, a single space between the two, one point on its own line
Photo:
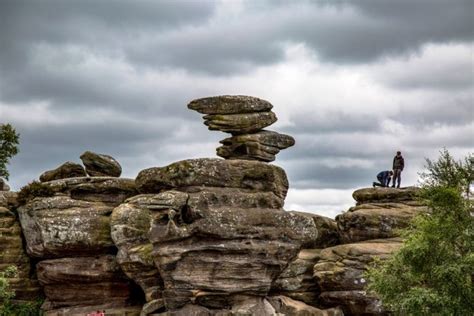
x=398 y=165
x=384 y=179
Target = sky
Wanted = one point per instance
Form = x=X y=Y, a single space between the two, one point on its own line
x=351 y=81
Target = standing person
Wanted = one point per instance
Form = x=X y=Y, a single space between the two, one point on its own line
x=384 y=179
x=398 y=165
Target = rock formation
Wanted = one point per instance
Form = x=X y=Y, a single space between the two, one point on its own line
x=244 y=117
x=100 y=165
x=4 y=186
x=66 y=170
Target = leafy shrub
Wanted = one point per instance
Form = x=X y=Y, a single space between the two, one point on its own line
x=32 y=190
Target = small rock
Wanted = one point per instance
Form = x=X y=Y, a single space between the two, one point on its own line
x=230 y=104
x=66 y=170
x=98 y=165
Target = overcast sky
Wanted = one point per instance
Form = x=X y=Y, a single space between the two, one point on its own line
x=351 y=81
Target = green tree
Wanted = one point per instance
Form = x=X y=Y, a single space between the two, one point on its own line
x=432 y=273
x=8 y=147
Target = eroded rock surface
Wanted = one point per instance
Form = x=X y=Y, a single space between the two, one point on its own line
x=66 y=170
x=339 y=274
x=4 y=186
x=380 y=213
x=230 y=104
x=100 y=165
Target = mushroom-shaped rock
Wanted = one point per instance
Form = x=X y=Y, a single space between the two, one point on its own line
x=252 y=176
x=98 y=165
x=230 y=104
x=66 y=170
x=263 y=145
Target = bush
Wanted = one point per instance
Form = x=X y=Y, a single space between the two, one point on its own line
x=32 y=190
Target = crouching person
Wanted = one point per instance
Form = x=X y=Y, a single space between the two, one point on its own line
x=384 y=178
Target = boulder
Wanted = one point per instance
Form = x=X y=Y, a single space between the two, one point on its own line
x=380 y=195
x=327 y=231
x=230 y=104
x=83 y=281
x=208 y=251
x=98 y=165
x=130 y=223
x=377 y=220
x=287 y=306
x=60 y=226
x=12 y=253
x=262 y=146
x=239 y=123
x=253 y=176
x=66 y=170
x=339 y=272
x=3 y=185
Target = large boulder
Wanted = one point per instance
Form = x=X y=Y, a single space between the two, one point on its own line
x=66 y=170
x=339 y=273
x=263 y=146
x=253 y=176
x=230 y=104
x=387 y=194
x=209 y=250
x=239 y=123
x=84 y=281
x=100 y=165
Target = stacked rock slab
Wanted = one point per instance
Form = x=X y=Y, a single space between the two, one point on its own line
x=68 y=231
x=244 y=117
x=369 y=230
x=12 y=251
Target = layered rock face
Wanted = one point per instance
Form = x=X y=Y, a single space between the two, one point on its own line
x=69 y=233
x=12 y=251
x=244 y=117
x=368 y=230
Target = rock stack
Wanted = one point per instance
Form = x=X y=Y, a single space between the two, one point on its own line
x=244 y=117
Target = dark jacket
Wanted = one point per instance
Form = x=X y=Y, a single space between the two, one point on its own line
x=384 y=177
x=398 y=162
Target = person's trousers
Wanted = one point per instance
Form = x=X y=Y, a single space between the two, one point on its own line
x=397 y=177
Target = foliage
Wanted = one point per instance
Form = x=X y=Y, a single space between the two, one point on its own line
x=8 y=147
x=432 y=273
x=32 y=190
x=448 y=172
x=7 y=307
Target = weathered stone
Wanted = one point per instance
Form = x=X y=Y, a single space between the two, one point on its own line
x=252 y=176
x=229 y=104
x=326 y=229
x=130 y=223
x=297 y=281
x=8 y=199
x=263 y=146
x=390 y=195
x=83 y=281
x=85 y=310
x=340 y=273
x=109 y=190
x=60 y=226
x=98 y=165
x=287 y=306
x=239 y=123
x=209 y=253
x=3 y=185
x=66 y=170
x=12 y=253
x=376 y=220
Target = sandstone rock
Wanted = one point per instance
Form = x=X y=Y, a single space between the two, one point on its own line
x=339 y=273
x=250 y=175
x=390 y=195
x=263 y=146
x=110 y=190
x=98 y=165
x=297 y=281
x=83 y=281
x=377 y=220
x=207 y=254
x=130 y=223
x=327 y=231
x=66 y=170
x=8 y=199
x=3 y=185
x=12 y=253
x=230 y=104
x=287 y=306
x=85 y=310
x=239 y=123
x=60 y=226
